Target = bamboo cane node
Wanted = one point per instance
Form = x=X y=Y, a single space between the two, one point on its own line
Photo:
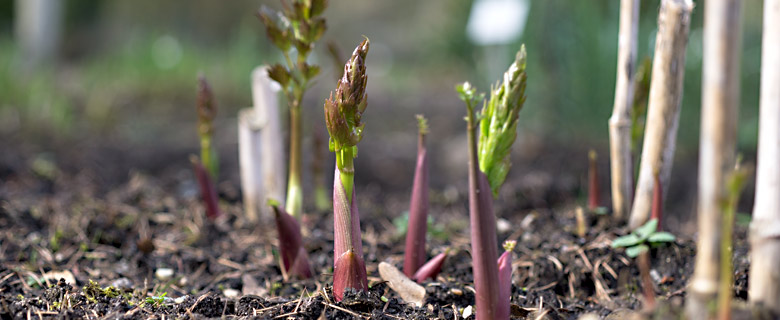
x=764 y=230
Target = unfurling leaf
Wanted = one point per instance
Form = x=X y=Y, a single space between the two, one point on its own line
x=498 y=122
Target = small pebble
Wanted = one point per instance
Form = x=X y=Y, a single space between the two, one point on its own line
x=503 y=226
x=163 y=274
x=231 y=293
x=122 y=284
x=180 y=300
x=467 y=312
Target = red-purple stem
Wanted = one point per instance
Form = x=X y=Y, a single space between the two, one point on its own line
x=414 y=256
x=349 y=267
x=505 y=284
x=207 y=190
x=657 y=208
x=484 y=243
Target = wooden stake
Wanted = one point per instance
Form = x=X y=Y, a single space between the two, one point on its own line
x=620 y=122
x=663 y=116
x=719 y=111
x=261 y=157
x=765 y=228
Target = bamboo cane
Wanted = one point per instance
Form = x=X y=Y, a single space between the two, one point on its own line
x=620 y=122
x=719 y=111
x=261 y=157
x=664 y=104
x=765 y=228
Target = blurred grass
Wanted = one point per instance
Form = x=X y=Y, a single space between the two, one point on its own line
x=122 y=87
x=149 y=77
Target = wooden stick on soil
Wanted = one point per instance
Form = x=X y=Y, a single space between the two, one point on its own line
x=765 y=228
x=620 y=122
x=261 y=157
x=719 y=110
x=663 y=116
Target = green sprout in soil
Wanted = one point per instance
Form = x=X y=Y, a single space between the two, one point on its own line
x=343 y=112
x=93 y=292
x=294 y=30
x=487 y=168
x=735 y=182
x=643 y=238
x=156 y=301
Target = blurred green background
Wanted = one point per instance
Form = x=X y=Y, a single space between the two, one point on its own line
x=126 y=70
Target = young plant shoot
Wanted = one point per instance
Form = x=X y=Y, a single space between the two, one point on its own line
x=414 y=256
x=206 y=169
x=488 y=167
x=505 y=279
x=295 y=30
x=295 y=260
x=431 y=268
x=594 y=194
x=343 y=112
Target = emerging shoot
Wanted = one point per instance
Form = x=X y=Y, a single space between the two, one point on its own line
x=206 y=168
x=487 y=170
x=295 y=30
x=414 y=255
x=295 y=260
x=431 y=268
x=594 y=193
x=207 y=111
x=343 y=112
x=735 y=182
x=505 y=280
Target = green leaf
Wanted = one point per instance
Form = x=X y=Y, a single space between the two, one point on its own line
x=279 y=73
x=646 y=230
x=317 y=29
x=279 y=35
x=626 y=241
x=658 y=237
x=635 y=251
x=308 y=71
x=317 y=7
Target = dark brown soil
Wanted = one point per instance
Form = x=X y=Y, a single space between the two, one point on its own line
x=116 y=242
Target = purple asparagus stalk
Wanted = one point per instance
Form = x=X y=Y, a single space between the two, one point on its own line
x=207 y=190
x=414 y=256
x=505 y=280
x=295 y=260
x=343 y=111
x=487 y=170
